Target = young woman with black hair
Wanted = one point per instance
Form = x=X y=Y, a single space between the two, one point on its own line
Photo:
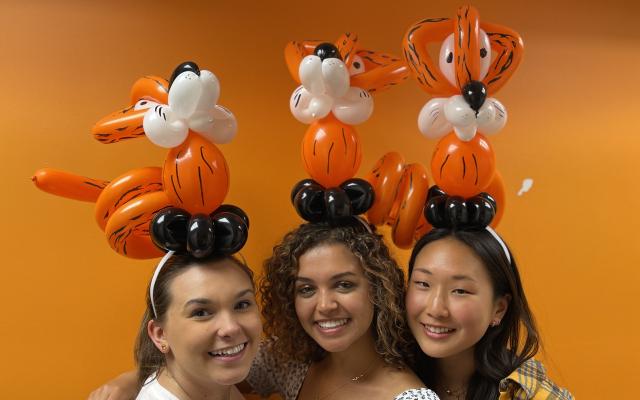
x=467 y=310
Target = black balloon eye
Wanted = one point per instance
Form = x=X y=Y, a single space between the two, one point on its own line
x=450 y=58
x=327 y=50
x=184 y=67
x=356 y=65
x=483 y=52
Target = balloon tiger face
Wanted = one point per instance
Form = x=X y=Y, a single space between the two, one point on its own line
x=475 y=60
x=337 y=81
x=339 y=78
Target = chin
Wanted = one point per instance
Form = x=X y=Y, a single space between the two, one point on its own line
x=229 y=378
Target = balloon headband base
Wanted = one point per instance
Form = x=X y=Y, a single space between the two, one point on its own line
x=453 y=212
x=223 y=232
x=334 y=205
x=444 y=211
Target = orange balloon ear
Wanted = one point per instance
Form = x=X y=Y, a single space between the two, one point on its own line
x=496 y=190
x=330 y=152
x=195 y=175
x=463 y=168
x=152 y=88
x=508 y=47
x=347 y=45
x=127 y=123
x=294 y=52
x=423 y=67
x=381 y=71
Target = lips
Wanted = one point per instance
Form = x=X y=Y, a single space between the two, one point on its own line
x=331 y=326
x=231 y=352
x=437 y=332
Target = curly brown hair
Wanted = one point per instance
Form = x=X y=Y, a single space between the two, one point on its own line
x=386 y=280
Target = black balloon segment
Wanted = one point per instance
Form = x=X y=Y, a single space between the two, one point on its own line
x=335 y=205
x=451 y=212
x=327 y=50
x=184 y=67
x=223 y=232
x=474 y=93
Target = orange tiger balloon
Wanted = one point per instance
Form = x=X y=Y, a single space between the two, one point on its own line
x=476 y=59
x=331 y=152
x=401 y=191
x=195 y=177
x=337 y=80
x=463 y=168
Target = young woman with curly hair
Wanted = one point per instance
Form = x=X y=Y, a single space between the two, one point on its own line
x=333 y=304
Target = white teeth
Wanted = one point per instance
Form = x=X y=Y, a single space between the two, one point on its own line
x=332 y=324
x=229 y=351
x=437 y=329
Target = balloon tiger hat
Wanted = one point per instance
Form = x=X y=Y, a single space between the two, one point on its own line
x=337 y=81
x=178 y=207
x=475 y=60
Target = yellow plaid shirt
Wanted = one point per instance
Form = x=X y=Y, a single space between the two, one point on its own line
x=530 y=382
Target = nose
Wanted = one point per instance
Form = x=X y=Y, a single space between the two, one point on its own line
x=326 y=302
x=437 y=306
x=228 y=325
x=184 y=67
x=327 y=50
x=474 y=94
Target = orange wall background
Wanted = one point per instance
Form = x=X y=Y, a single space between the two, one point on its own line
x=70 y=306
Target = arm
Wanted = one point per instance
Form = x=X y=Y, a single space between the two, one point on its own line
x=122 y=387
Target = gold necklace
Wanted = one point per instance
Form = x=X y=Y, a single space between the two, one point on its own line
x=355 y=379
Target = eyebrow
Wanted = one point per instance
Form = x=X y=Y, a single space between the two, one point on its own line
x=204 y=301
x=333 y=278
x=454 y=277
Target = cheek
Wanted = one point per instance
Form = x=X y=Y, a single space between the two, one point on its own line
x=301 y=307
x=470 y=314
x=253 y=325
x=414 y=303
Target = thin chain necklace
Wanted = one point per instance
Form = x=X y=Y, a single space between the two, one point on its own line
x=355 y=379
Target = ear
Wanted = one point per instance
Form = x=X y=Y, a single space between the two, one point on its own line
x=156 y=334
x=500 y=307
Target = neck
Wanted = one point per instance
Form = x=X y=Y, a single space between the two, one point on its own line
x=453 y=373
x=185 y=387
x=360 y=358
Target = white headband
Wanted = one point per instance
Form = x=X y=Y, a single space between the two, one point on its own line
x=501 y=242
x=155 y=277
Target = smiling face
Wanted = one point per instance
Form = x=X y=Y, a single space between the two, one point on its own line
x=332 y=297
x=450 y=300
x=212 y=326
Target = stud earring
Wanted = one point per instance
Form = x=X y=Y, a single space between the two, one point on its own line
x=495 y=323
x=163 y=348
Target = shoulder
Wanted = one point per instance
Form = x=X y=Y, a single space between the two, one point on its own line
x=530 y=381
x=403 y=384
x=417 y=394
x=152 y=390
